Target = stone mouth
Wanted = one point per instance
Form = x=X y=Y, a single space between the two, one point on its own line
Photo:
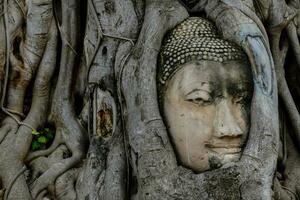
x=226 y=150
x=223 y=145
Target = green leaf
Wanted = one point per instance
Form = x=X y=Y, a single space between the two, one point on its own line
x=51 y=131
x=50 y=135
x=35 y=132
x=42 y=139
x=47 y=130
x=35 y=145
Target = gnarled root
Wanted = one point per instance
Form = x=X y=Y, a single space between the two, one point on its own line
x=279 y=48
x=8 y=125
x=64 y=186
x=73 y=135
x=48 y=178
x=34 y=51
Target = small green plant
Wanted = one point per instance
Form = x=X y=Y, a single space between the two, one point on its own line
x=41 y=138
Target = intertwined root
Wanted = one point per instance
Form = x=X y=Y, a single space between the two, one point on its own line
x=47 y=179
x=33 y=57
x=8 y=125
x=73 y=135
x=63 y=188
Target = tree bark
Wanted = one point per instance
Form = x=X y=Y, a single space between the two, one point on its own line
x=87 y=70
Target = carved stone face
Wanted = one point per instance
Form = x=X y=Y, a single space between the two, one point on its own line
x=206 y=107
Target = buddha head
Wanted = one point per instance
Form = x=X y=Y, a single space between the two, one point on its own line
x=205 y=89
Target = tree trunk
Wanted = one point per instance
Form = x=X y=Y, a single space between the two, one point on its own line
x=80 y=116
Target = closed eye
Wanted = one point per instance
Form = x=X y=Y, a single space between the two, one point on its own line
x=239 y=99
x=199 y=97
x=242 y=98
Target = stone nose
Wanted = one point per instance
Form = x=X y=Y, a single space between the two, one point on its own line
x=225 y=123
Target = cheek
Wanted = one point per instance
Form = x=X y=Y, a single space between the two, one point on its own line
x=242 y=115
x=190 y=128
x=185 y=118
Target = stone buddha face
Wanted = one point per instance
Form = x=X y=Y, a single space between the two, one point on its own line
x=206 y=107
x=205 y=95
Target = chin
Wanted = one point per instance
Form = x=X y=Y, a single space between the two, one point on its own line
x=231 y=158
x=215 y=161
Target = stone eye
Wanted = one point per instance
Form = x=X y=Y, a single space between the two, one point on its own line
x=239 y=99
x=242 y=99
x=197 y=100
x=202 y=102
x=199 y=97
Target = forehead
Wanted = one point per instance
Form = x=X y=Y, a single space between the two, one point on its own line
x=232 y=72
x=211 y=76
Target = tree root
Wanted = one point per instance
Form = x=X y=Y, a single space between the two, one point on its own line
x=62 y=113
x=49 y=177
x=294 y=42
x=40 y=101
x=8 y=125
x=279 y=56
x=63 y=188
x=291 y=108
x=65 y=185
x=12 y=182
x=157 y=170
x=283 y=88
x=33 y=49
x=41 y=195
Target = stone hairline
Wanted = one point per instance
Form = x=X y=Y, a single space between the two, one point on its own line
x=195 y=38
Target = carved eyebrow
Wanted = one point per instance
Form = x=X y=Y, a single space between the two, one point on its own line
x=196 y=90
x=242 y=87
